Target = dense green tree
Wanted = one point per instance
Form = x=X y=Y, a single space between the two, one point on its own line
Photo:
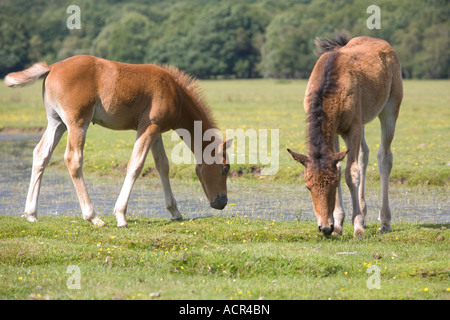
x=221 y=38
x=433 y=61
x=224 y=40
x=13 y=45
x=282 y=50
x=129 y=39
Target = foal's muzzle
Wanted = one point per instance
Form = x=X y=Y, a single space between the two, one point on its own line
x=327 y=230
x=220 y=202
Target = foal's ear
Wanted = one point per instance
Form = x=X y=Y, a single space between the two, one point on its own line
x=223 y=150
x=339 y=156
x=227 y=144
x=299 y=157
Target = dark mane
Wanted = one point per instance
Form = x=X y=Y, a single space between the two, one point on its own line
x=340 y=39
x=317 y=118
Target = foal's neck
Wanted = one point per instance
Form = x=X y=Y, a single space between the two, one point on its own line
x=197 y=122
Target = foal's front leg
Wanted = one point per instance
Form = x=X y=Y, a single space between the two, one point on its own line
x=145 y=137
x=353 y=177
x=363 y=161
x=338 y=213
x=162 y=166
x=74 y=161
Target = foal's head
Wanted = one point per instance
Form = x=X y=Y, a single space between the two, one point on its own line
x=321 y=179
x=213 y=178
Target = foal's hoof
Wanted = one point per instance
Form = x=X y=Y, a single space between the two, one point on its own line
x=175 y=214
x=124 y=226
x=31 y=218
x=97 y=222
x=337 y=230
x=359 y=232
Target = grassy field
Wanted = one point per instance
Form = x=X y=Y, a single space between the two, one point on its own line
x=219 y=258
x=235 y=257
x=421 y=149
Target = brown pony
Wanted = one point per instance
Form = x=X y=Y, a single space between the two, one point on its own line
x=119 y=96
x=353 y=82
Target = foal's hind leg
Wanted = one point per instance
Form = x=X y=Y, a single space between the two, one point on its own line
x=338 y=213
x=145 y=137
x=388 y=118
x=162 y=166
x=74 y=161
x=41 y=157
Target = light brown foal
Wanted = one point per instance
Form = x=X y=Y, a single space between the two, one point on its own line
x=353 y=82
x=118 y=96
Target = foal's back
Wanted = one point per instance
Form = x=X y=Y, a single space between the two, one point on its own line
x=115 y=95
x=367 y=74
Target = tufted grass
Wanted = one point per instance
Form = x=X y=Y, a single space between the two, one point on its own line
x=219 y=258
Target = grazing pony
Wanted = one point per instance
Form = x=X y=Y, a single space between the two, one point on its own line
x=353 y=82
x=146 y=98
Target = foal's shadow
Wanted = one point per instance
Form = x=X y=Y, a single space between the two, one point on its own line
x=165 y=222
x=435 y=225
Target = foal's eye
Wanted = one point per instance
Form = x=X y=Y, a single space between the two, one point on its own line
x=226 y=169
x=308 y=188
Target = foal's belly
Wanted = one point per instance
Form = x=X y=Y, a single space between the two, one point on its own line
x=371 y=110
x=350 y=116
x=119 y=118
x=369 y=114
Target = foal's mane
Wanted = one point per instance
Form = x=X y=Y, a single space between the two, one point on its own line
x=317 y=118
x=193 y=90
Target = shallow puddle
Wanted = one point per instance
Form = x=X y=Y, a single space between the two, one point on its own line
x=261 y=200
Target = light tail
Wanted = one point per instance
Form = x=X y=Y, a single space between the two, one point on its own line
x=27 y=76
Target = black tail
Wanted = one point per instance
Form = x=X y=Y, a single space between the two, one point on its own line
x=340 y=39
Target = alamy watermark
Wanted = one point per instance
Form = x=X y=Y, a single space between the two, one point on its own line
x=374 y=21
x=74 y=20
x=74 y=281
x=373 y=282
x=262 y=148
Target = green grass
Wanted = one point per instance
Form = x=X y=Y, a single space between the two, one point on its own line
x=219 y=258
x=421 y=149
x=235 y=257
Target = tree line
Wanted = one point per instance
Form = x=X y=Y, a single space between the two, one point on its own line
x=221 y=38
